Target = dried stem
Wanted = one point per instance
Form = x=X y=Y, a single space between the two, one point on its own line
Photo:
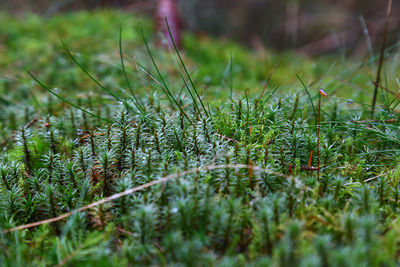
x=318 y=130
x=378 y=73
x=141 y=187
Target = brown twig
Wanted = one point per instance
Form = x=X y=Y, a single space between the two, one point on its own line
x=384 y=88
x=89 y=135
x=32 y=122
x=372 y=121
x=378 y=73
x=365 y=181
x=141 y=187
x=318 y=130
x=227 y=138
x=267 y=82
x=321 y=94
x=126 y=232
x=309 y=168
x=372 y=178
x=353 y=168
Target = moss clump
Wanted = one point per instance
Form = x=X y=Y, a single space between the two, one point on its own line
x=267 y=206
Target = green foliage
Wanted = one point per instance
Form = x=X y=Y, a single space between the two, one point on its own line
x=57 y=158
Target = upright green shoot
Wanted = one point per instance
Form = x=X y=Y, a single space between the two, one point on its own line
x=162 y=84
x=185 y=69
x=190 y=93
x=88 y=74
x=63 y=99
x=136 y=101
x=309 y=97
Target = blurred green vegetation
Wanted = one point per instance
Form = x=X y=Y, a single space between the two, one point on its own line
x=32 y=42
x=313 y=27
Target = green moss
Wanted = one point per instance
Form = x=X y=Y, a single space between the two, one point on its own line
x=287 y=215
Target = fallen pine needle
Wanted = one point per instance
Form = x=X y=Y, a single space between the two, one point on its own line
x=140 y=187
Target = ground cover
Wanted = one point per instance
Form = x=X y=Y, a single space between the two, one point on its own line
x=266 y=169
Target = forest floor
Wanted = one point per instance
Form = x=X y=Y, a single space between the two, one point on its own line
x=125 y=153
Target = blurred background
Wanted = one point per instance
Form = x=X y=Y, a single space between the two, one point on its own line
x=312 y=27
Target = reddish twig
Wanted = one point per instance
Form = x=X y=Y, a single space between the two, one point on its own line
x=227 y=138
x=321 y=94
x=378 y=73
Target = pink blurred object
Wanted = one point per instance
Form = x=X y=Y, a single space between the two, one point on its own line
x=169 y=9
